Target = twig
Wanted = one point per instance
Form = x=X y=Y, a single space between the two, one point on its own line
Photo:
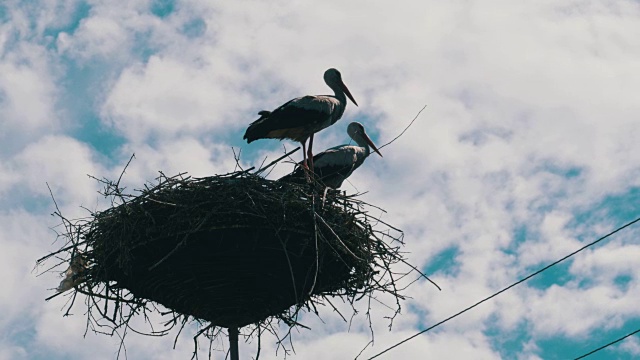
x=125 y=169
x=276 y=160
x=237 y=157
x=421 y=273
x=405 y=129
x=337 y=237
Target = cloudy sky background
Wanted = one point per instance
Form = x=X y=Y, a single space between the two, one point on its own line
x=528 y=149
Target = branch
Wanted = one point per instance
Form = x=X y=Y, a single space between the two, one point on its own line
x=405 y=129
x=275 y=161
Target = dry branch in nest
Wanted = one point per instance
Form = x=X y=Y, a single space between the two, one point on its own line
x=230 y=251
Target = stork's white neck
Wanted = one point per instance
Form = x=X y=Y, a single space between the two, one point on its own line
x=359 y=139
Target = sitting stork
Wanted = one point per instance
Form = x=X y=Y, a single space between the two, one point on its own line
x=302 y=117
x=335 y=165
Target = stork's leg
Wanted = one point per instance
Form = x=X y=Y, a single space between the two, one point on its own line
x=310 y=153
x=304 y=154
x=324 y=196
x=305 y=167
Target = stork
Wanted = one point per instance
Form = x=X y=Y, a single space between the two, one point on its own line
x=300 y=118
x=335 y=165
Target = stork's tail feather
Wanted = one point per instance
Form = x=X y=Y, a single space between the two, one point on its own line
x=292 y=178
x=296 y=177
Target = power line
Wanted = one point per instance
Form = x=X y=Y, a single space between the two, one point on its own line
x=507 y=288
x=607 y=345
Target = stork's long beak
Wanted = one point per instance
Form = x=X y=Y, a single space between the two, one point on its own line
x=373 y=146
x=348 y=93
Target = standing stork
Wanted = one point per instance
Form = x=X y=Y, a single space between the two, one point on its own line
x=300 y=118
x=335 y=165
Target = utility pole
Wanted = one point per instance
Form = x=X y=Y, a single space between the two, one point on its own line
x=233 y=343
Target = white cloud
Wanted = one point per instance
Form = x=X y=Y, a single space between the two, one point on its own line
x=555 y=311
x=168 y=98
x=607 y=263
x=97 y=36
x=177 y=156
x=554 y=241
x=453 y=345
x=27 y=95
x=7 y=178
x=631 y=345
x=63 y=163
x=20 y=237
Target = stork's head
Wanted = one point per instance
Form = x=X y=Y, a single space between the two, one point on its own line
x=333 y=78
x=357 y=133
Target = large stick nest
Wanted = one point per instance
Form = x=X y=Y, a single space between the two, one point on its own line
x=227 y=250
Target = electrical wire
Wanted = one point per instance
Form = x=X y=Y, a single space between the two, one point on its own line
x=507 y=288
x=607 y=345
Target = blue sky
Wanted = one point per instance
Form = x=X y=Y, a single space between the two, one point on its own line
x=526 y=151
